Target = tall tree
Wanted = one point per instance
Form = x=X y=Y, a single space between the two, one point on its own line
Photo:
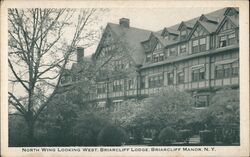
x=39 y=54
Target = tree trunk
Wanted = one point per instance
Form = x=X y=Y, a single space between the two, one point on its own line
x=30 y=125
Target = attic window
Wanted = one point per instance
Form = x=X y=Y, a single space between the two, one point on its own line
x=183 y=34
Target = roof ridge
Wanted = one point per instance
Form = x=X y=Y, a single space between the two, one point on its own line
x=131 y=27
x=189 y=21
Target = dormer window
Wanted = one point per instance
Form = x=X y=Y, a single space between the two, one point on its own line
x=227 y=40
x=172 y=51
x=199 y=45
x=183 y=48
x=148 y=58
x=183 y=34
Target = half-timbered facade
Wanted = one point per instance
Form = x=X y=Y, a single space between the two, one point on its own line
x=200 y=55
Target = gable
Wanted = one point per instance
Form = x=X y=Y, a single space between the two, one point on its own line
x=158 y=46
x=198 y=31
x=226 y=25
x=108 y=37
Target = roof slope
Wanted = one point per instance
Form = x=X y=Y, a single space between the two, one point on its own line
x=133 y=37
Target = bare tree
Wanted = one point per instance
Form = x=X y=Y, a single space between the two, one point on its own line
x=39 y=54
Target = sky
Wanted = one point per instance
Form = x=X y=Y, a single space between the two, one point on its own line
x=153 y=19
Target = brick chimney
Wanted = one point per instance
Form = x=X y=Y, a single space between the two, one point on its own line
x=80 y=54
x=124 y=22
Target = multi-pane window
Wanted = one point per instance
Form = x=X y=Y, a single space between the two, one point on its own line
x=172 y=51
x=101 y=88
x=223 y=41
x=118 y=64
x=183 y=34
x=148 y=58
x=158 y=57
x=227 y=70
x=235 y=69
x=227 y=40
x=170 y=78
x=117 y=85
x=183 y=48
x=198 y=74
x=143 y=84
x=130 y=84
x=180 y=77
x=199 y=45
x=231 y=39
x=155 y=81
x=202 y=44
x=195 y=46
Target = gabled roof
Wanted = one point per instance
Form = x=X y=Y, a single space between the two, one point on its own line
x=169 y=30
x=209 y=18
x=210 y=27
x=234 y=21
x=187 y=24
x=133 y=37
x=229 y=9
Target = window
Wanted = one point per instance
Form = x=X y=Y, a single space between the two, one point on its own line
x=130 y=84
x=143 y=82
x=219 y=73
x=235 y=69
x=180 y=77
x=101 y=88
x=202 y=44
x=170 y=78
x=195 y=46
x=183 y=48
x=172 y=51
x=199 y=45
x=118 y=64
x=227 y=40
x=158 y=57
x=198 y=74
x=117 y=85
x=201 y=101
x=155 y=81
x=148 y=58
x=231 y=39
x=223 y=41
x=227 y=70
x=183 y=34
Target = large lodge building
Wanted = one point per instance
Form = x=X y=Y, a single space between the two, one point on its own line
x=200 y=56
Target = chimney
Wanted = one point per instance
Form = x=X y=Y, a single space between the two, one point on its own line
x=80 y=54
x=124 y=22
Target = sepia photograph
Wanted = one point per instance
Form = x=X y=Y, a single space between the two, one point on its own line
x=123 y=79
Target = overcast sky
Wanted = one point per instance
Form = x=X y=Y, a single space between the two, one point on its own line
x=153 y=19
